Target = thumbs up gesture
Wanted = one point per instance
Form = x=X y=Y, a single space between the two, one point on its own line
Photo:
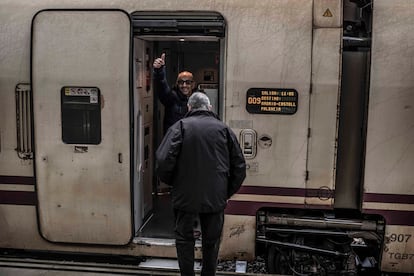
x=159 y=62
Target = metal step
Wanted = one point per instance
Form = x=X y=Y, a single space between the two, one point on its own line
x=170 y=264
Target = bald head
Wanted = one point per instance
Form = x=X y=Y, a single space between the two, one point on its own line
x=185 y=75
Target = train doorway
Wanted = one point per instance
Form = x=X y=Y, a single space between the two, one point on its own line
x=191 y=42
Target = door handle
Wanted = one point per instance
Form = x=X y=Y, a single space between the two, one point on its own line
x=248 y=139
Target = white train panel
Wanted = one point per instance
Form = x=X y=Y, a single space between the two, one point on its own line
x=81 y=123
x=326 y=61
x=285 y=46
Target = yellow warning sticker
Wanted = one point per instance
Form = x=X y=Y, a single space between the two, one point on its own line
x=327 y=13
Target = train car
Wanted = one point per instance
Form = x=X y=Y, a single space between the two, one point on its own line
x=319 y=93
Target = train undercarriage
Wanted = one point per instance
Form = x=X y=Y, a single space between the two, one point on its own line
x=319 y=245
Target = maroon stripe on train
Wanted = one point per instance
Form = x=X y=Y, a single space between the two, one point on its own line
x=18 y=198
x=323 y=193
x=257 y=190
x=250 y=208
x=22 y=180
x=394 y=217
x=389 y=198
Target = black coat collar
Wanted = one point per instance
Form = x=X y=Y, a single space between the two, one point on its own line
x=201 y=112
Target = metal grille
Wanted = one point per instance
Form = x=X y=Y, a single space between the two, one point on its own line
x=178 y=23
x=23 y=121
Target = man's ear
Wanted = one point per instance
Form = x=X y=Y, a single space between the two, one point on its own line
x=189 y=107
x=210 y=107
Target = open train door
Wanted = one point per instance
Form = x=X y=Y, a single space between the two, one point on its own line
x=81 y=102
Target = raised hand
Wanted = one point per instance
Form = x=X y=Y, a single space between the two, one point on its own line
x=159 y=62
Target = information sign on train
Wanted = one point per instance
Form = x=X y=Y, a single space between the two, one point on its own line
x=271 y=101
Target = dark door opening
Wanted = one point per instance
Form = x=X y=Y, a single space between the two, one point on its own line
x=191 y=42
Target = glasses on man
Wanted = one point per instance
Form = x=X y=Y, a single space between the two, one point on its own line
x=181 y=82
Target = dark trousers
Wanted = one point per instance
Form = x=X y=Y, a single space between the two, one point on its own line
x=211 y=228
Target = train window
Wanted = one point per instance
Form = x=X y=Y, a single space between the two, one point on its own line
x=81 y=115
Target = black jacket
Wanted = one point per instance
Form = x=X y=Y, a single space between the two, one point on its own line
x=201 y=159
x=174 y=101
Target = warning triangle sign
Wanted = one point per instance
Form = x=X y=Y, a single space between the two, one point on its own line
x=327 y=13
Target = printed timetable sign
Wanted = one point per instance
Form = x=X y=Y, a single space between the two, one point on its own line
x=272 y=101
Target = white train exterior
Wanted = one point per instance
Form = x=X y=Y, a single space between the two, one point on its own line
x=325 y=120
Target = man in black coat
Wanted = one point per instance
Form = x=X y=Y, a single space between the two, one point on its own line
x=174 y=99
x=201 y=159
